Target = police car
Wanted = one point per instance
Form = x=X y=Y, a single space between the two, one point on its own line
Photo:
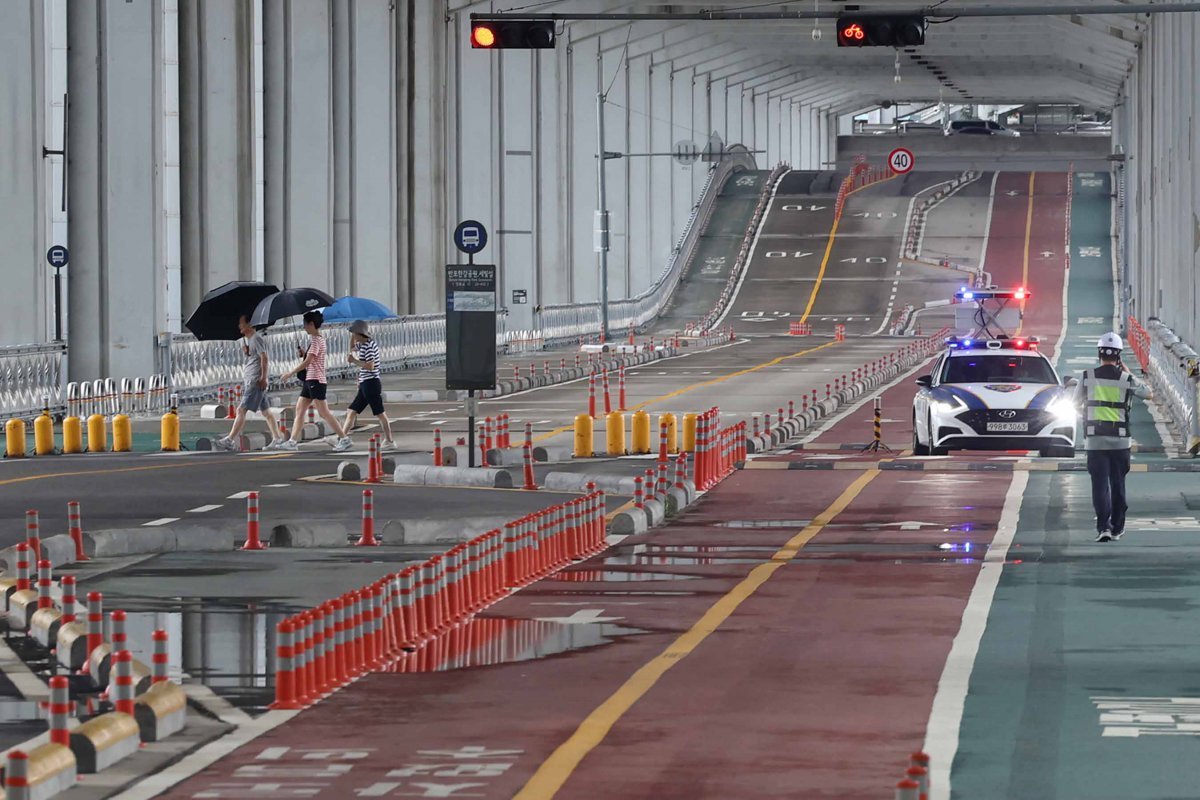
x=994 y=393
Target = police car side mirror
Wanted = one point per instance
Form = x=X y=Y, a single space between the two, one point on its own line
x=925 y=380
x=1070 y=382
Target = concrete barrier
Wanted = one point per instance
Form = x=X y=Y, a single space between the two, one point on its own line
x=547 y=453
x=72 y=644
x=314 y=534
x=411 y=396
x=452 y=476
x=160 y=711
x=139 y=541
x=44 y=625
x=21 y=605
x=103 y=741
x=433 y=531
x=49 y=769
x=629 y=522
x=358 y=469
x=578 y=481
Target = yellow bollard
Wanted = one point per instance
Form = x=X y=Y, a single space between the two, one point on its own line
x=122 y=434
x=97 y=434
x=169 y=430
x=672 y=432
x=43 y=434
x=641 y=433
x=689 y=433
x=614 y=433
x=14 y=438
x=72 y=435
x=584 y=437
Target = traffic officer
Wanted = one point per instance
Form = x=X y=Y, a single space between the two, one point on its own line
x=1106 y=394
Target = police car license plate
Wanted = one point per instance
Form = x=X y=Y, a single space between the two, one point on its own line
x=1007 y=427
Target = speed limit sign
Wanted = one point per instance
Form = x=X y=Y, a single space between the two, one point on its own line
x=901 y=160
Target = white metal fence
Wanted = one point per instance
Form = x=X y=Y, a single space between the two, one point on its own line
x=1174 y=370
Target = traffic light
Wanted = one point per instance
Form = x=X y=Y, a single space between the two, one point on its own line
x=512 y=35
x=893 y=31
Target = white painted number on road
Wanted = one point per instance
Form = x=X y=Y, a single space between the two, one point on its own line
x=867 y=260
x=1089 y=252
x=1091 y=182
x=802 y=207
x=747 y=180
x=1091 y=320
x=1133 y=717
x=786 y=254
x=712 y=264
x=876 y=214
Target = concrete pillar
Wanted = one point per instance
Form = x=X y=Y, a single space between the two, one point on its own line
x=22 y=186
x=115 y=119
x=216 y=146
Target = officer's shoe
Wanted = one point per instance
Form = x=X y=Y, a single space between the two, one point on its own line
x=1104 y=536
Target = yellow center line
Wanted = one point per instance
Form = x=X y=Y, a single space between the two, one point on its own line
x=556 y=769
x=812 y=298
x=694 y=386
x=1025 y=259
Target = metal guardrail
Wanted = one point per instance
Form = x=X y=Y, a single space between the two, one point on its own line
x=1174 y=371
x=29 y=375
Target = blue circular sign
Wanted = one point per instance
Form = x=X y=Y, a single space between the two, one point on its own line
x=470 y=236
x=57 y=256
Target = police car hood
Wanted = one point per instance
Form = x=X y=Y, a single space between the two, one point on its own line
x=1015 y=394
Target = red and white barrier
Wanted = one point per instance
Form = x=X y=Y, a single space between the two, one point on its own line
x=324 y=648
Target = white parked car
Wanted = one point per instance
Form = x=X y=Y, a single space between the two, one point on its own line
x=994 y=394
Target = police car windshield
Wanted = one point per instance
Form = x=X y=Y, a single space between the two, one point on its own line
x=996 y=368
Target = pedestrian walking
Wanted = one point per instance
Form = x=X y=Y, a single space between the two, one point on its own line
x=313 y=388
x=364 y=351
x=254 y=389
x=1106 y=393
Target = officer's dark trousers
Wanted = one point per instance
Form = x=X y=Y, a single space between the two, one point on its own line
x=1108 y=469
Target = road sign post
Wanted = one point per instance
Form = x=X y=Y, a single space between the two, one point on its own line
x=901 y=160
x=470 y=323
x=57 y=257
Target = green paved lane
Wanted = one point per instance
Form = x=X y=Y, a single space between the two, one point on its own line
x=1087 y=680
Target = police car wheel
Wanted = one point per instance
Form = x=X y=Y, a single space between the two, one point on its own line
x=934 y=451
x=918 y=448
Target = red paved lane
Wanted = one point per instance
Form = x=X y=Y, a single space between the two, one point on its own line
x=821 y=680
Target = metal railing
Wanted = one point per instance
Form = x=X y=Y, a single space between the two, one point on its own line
x=31 y=374
x=1174 y=371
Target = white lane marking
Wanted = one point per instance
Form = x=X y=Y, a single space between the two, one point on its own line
x=762 y=224
x=154 y=523
x=202 y=509
x=945 y=717
x=156 y=784
x=987 y=221
x=238 y=496
x=276 y=485
x=21 y=676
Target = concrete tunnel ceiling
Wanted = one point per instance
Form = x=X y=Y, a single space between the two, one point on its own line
x=988 y=60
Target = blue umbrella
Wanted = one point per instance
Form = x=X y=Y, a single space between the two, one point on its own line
x=352 y=308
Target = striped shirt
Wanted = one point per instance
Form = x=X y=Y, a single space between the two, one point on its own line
x=368 y=351
x=316 y=367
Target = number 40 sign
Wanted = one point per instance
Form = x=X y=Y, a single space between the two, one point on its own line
x=901 y=160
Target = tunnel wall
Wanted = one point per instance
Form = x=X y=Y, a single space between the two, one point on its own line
x=336 y=143
x=1155 y=124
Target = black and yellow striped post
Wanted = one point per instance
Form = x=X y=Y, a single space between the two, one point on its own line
x=877 y=442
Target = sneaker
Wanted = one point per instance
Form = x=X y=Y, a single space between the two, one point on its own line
x=389 y=447
x=288 y=445
x=1104 y=536
x=275 y=444
x=1117 y=535
x=224 y=443
x=343 y=444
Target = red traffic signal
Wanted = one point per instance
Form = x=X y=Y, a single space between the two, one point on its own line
x=883 y=31
x=512 y=35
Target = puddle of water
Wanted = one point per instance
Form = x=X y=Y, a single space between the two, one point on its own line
x=489 y=641
x=640 y=555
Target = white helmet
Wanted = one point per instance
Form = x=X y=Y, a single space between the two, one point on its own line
x=1110 y=341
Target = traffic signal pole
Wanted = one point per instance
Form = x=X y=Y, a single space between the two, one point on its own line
x=601 y=200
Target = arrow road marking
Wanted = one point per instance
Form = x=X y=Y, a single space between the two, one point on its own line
x=584 y=616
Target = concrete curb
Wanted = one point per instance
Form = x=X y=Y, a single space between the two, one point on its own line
x=577 y=482
x=315 y=534
x=357 y=469
x=438 y=531
x=546 y=453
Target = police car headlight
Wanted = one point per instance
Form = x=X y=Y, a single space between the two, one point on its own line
x=950 y=407
x=1063 y=409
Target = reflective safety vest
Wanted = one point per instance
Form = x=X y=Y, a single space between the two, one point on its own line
x=1109 y=394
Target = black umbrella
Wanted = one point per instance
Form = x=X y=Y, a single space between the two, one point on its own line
x=289 y=303
x=217 y=315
